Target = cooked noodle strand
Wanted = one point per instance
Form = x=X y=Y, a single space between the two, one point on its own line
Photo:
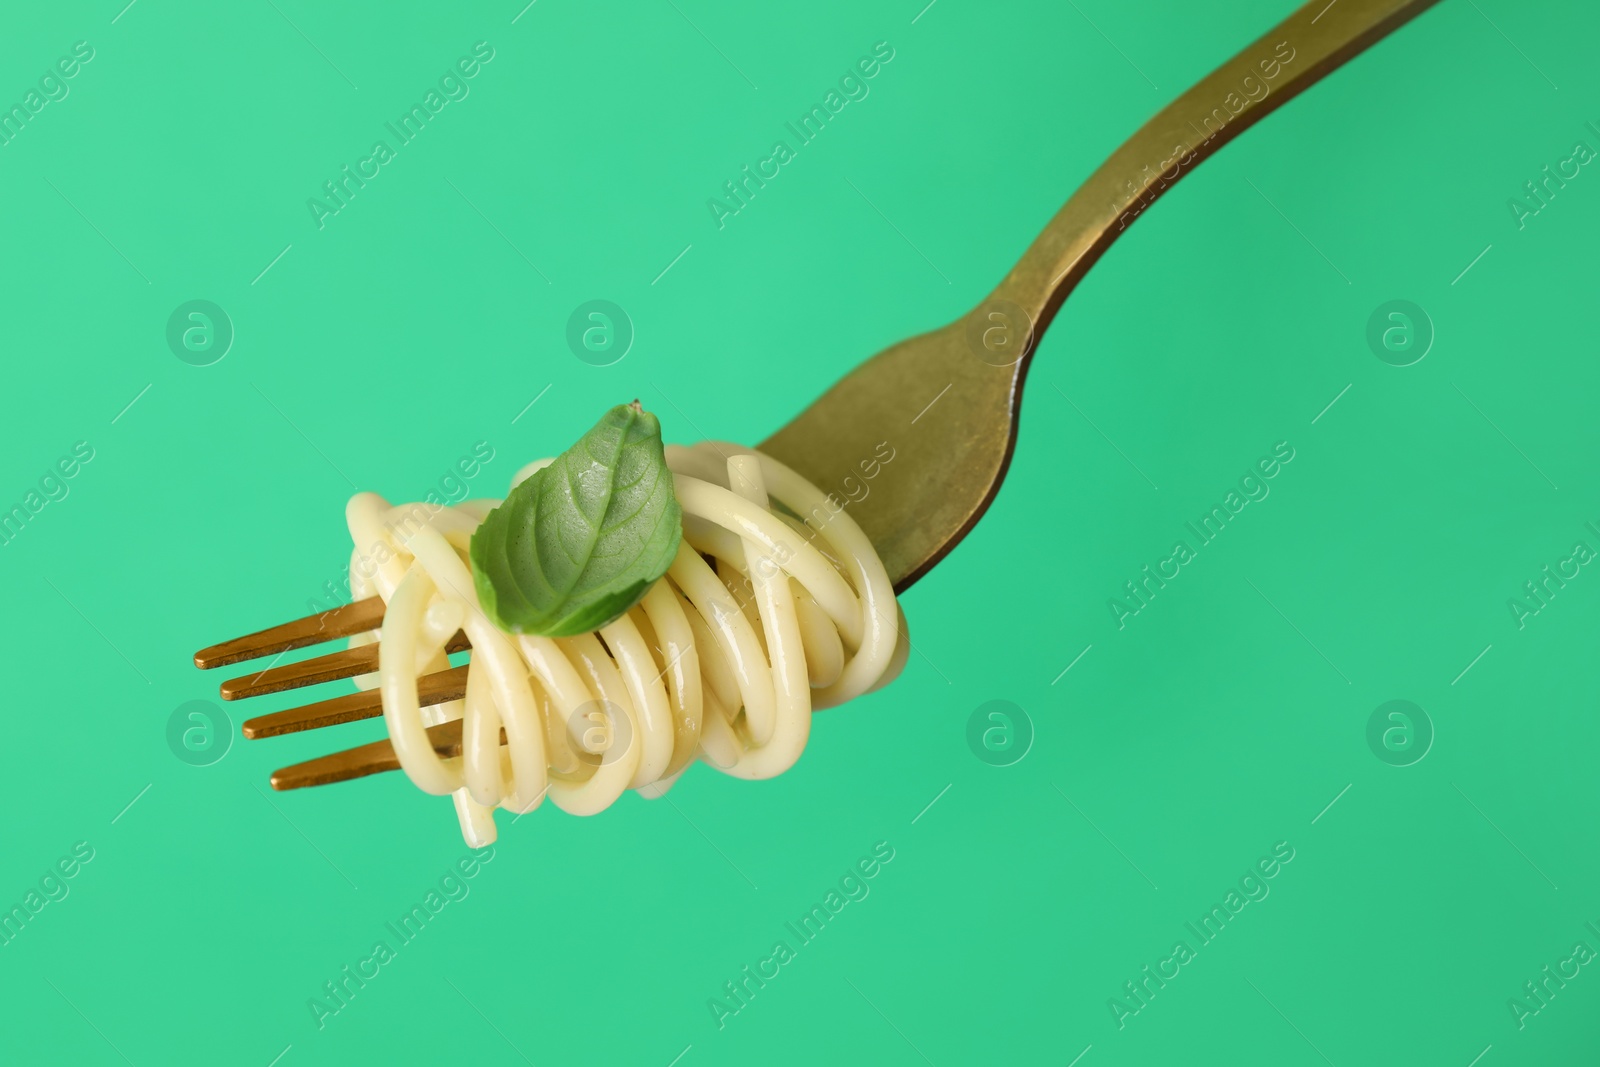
x=758 y=620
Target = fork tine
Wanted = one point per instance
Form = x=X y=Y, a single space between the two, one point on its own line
x=342 y=621
x=438 y=688
x=365 y=759
x=346 y=663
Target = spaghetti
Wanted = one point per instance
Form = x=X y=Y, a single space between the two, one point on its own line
x=759 y=620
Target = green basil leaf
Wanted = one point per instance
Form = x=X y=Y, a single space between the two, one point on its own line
x=580 y=542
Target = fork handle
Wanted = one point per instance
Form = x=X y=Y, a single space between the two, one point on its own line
x=1312 y=42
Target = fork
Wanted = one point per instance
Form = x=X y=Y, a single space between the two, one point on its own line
x=943 y=487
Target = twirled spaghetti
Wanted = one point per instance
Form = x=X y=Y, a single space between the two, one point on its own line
x=721 y=660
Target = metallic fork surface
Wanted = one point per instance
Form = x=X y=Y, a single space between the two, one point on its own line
x=941 y=487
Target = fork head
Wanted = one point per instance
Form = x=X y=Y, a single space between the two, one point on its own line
x=951 y=397
x=916 y=440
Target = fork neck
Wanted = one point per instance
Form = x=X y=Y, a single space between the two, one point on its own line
x=1313 y=41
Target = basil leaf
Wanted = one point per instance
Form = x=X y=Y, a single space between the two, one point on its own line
x=580 y=541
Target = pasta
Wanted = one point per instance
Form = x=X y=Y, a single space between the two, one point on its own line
x=759 y=620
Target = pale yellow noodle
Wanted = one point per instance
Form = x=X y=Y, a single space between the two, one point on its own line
x=722 y=661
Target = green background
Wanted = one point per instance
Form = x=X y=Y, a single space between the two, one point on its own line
x=1172 y=755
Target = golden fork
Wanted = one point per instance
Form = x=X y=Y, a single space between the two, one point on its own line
x=939 y=491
